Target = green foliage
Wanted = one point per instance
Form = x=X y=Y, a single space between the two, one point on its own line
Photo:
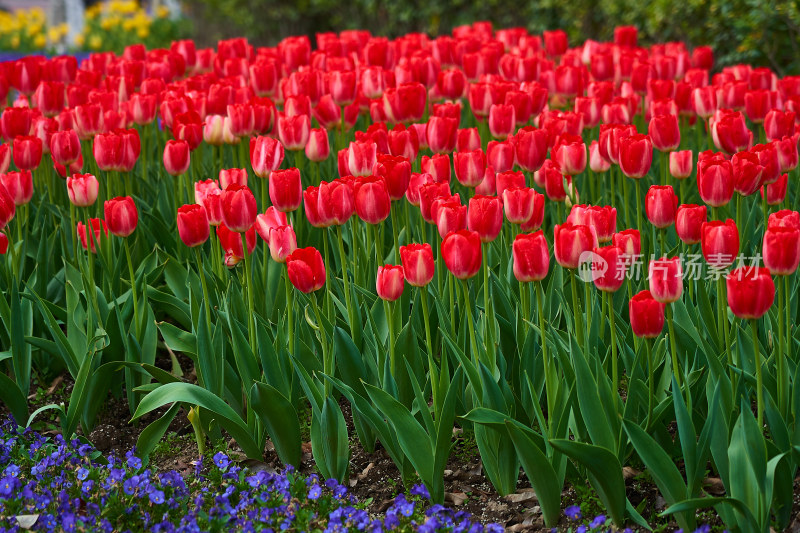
x=751 y=31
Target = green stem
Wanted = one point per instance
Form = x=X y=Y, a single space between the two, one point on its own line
x=378 y=245
x=136 y=316
x=327 y=363
x=204 y=285
x=345 y=279
x=587 y=303
x=549 y=366
x=472 y=339
x=289 y=312
x=787 y=304
x=614 y=357
x=780 y=362
x=639 y=216
x=759 y=379
x=394 y=233
x=251 y=324
x=676 y=370
x=429 y=345
x=387 y=309
x=650 y=384
x=576 y=310
x=488 y=318
x=452 y=292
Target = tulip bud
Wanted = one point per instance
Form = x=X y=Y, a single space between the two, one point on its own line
x=27 y=152
x=232 y=176
x=751 y=291
x=470 y=167
x=784 y=218
x=82 y=189
x=418 y=265
x=238 y=208
x=666 y=279
x=461 y=251
x=94 y=237
x=282 y=242
x=193 y=228
x=680 y=164
x=665 y=133
x=531 y=256
x=608 y=268
x=65 y=147
x=18 y=185
x=646 y=315
x=571 y=242
x=689 y=221
x=396 y=172
x=530 y=149
x=597 y=162
x=336 y=202
x=285 y=189
x=781 y=250
x=502 y=120
x=389 y=282
x=306 y=269
x=661 y=205
x=485 y=217
x=318 y=148
x=176 y=157
x=294 y=131
x=121 y=215
x=719 y=242
x=635 y=155
x=570 y=154
x=629 y=242
x=715 y=182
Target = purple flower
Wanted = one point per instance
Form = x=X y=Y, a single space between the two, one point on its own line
x=82 y=473
x=573 y=512
x=314 y=492
x=156 y=497
x=421 y=491
x=134 y=462
x=221 y=460
x=581 y=529
x=598 y=521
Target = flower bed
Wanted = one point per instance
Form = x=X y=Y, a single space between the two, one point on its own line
x=470 y=234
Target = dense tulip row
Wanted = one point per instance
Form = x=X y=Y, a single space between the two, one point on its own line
x=460 y=165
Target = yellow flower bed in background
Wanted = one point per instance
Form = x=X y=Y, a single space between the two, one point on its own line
x=107 y=26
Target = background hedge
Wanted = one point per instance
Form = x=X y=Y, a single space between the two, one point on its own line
x=760 y=32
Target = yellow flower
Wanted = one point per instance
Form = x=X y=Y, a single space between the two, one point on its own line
x=34 y=29
x=162 y=12
x=54 y=35
x=143 y=33
x=40 y=41
x=95 y=42
x=80 y=39
x=15 y=42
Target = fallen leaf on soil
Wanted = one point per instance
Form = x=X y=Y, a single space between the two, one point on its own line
x=713 y=486
x=364 y=472
x=629 y=473
x=522 y=497
x=54 y=385
x=456 y=498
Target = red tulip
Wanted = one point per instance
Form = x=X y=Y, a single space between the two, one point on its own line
x=5 y=158
x=715 y=182
x=537 y=217
x=571 y=243
x=318 y=148
x=282 y=242
x=751 y=291
x=570 y=154
x=361 y=157
x=404 y=142
x=16 y=121
x=449 y=214
x=468 y=139
x=306 y=269
x=530 y=149
x=406 y=103
x=82 y=189
x=502 y=120
x=554 y=181
x=689 y=221
x=719 y=242
x=266 y=155
x=757 y=104
x=666 y=279
x=785 y=218
x=441 y=134
x=65 y=147
x=519 y=204
x=787 y=153
x=704 y=101
x=768 y=158
x=18 y=185
x=781 y=250
x=646 y=314
x=485 y=217
x=661 y=205
x=372 y=203
x=608 y=268
x=335 y=202
x=470 y=167
x=396 y=172
x=461 y=251
x=193 y=228
x=418 y=265
x=231 y=242
x=121 y=215
x=747 y=173
x=285 y=189
x=428 y=194
x=635 y=155
x=238 y=208
x=342 y=86
x=232 y=176
x=776 y=192
x=779 y=124
x=664 y=132
x=27 y=152
x=88 y=119
x=680 y=164
x=143 y=108
x=3 y=243
x=603 y=220
x=176 y=157
x=389 y=282
x=629 y=241
x=94 y=238
x=294 y=131
x=597 y=162
x=555 y=42
x=531 y=256
x=438 y=166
